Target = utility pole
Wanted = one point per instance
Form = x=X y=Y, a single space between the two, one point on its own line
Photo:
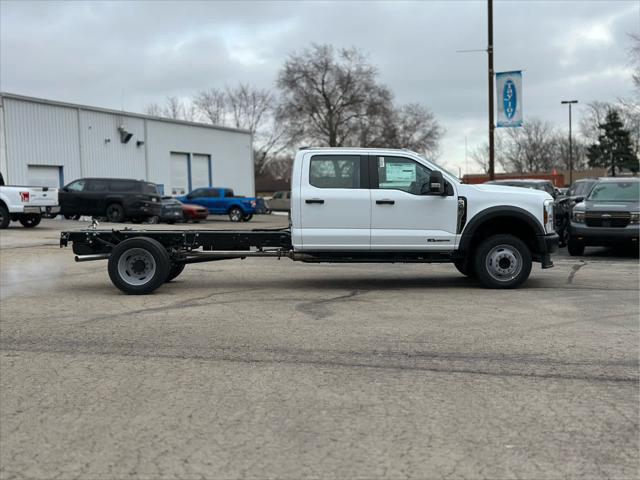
x=570 y=102
x=491 y=122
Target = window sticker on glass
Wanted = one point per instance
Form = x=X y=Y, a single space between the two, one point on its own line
x=401 y=172
x=381 y=162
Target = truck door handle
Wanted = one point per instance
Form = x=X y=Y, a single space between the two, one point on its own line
x=314 y=200
x=385 y=202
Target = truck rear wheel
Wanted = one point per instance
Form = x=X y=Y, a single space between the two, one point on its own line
x=138 y=266
x=4 y=217
x=502 y=261
x=30 y=220
x=175 y=270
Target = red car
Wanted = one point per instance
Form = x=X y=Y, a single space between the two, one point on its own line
x=195 y=213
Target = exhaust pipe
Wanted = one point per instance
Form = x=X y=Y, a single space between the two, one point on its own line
x=91 y=258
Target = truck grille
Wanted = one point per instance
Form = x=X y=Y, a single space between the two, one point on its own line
x=607 y=219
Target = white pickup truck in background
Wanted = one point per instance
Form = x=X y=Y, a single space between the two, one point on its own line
x=26 y=204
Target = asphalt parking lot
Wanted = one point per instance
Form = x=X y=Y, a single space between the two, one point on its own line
x=272 y=369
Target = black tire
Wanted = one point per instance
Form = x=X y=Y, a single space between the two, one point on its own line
x=115 y=213
x=575 y=248
x=175 y=270
x=465 y=267
x=235 y=214
x=502 y=261
x=30 y=220
x=5 y=219
x=137 y=253
x=247 y=217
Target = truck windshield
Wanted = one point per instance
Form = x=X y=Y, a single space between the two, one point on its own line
x=442 y=168
x=616 y=192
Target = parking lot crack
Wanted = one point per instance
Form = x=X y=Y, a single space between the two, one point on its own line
x=574 y=270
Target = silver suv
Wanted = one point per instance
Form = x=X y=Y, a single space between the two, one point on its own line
x=609 y=215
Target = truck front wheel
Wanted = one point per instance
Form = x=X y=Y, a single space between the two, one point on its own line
x=465 y=267
x=502 y=261
x=4 y=217
x=138 y=266
x=235 y=214
x=30 y=220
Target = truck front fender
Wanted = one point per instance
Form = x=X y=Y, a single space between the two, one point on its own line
x=506 y=212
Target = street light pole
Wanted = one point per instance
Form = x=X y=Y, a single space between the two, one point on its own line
x=490 y=59
x=570 y=102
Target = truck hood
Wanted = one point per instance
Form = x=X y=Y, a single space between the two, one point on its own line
x=510 y=191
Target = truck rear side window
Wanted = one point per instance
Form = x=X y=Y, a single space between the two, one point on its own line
x=335 y=171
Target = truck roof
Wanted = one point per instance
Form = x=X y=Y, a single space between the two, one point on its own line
x=357 y=149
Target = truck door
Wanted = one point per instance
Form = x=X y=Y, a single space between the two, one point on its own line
x=335 y=202
x=401 y=218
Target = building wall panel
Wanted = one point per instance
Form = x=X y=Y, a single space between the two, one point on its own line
x=39 y=134
x=103 y=154
x=231 y=153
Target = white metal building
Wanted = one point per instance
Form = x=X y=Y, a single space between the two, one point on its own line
x=49 y=143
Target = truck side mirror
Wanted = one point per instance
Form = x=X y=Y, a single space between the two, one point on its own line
x=435 y=185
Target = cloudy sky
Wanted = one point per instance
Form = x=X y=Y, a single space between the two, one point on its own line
x=125 y=55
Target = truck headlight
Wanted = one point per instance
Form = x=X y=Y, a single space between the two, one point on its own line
x=577 y=217
x=634 y=218
x=548 y=215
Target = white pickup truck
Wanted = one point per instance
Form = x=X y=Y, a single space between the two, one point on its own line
x=356 y=205
x=26 y=204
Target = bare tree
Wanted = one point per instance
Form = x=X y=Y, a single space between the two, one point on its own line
x=480 y=155
x=212 y=105
x=325 y=93
x=175 y=108
x=414 y=127
x=635 y=59
x=561 y=152
x=154 y=110
x=529 y=148
x=249 y=106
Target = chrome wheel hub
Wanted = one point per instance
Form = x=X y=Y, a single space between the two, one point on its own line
x=136 y=266
x=504 y=263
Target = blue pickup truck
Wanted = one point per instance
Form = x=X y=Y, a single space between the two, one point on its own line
x=221 y=201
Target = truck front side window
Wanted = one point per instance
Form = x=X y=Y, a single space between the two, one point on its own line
x=399 y=173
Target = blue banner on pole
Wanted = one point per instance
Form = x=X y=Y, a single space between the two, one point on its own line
x=509 y=94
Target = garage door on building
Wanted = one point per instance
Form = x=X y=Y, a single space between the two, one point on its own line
x=44 y=176
x=179 y=174
x=200 y=174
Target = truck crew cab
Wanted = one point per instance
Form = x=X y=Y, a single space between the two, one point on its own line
x=356 y=205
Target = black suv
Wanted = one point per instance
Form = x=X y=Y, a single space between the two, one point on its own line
x=609 y=215
x=117 y=199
